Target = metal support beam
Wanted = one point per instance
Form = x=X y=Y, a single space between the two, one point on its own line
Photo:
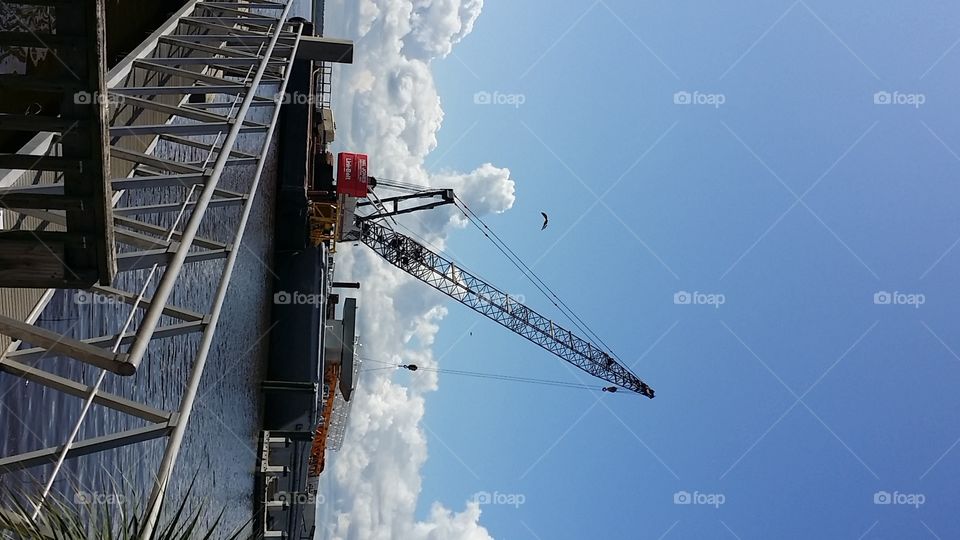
x=89 y=446
x=132 y=299
x=73 y=388
x=36 y=353
x=181 y=129
x=173 y=207
x=321 y=49
x=139 y=260
x=57 y=344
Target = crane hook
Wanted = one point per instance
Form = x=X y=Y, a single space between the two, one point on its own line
x=411 y=367
x=610 y=389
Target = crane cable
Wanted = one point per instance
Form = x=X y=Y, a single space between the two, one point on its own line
x=490 y=376
x=531 y=275
x=505 y=249
x=400 y=186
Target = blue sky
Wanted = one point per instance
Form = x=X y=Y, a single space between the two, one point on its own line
x=798 y=200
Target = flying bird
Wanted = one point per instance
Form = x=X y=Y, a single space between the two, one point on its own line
x=545 y=220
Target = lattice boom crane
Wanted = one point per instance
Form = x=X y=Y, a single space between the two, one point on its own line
x=443 y=275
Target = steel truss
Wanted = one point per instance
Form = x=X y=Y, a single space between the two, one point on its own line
x=443 y=275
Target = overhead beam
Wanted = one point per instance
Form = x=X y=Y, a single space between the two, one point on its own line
x=324 y=49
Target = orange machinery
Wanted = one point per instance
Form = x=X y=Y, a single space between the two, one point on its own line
x=331 y=376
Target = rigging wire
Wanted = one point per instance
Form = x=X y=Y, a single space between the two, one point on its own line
x=490 y=376
x=505 y=249
x=530 y=274
x=367 y=370
x=398 y=185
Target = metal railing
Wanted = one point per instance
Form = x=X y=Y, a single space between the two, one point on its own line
x=191 y=86
x=323 y=85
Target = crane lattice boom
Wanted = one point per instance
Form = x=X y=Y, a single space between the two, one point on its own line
x=443 y=275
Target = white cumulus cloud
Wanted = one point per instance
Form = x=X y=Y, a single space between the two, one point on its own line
x=387 y=106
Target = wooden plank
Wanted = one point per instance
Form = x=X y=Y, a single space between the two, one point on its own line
x=38 y=40
x=48 y=238
x=40 y=163
x=30 y=264
x=39 y=83
x=42 y=202
x=40 y=2
x=37 y=123
x=89 y=62
x=97 y=69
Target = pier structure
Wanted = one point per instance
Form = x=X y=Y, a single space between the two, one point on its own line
x=167 y=119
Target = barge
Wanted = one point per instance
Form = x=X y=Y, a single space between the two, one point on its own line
x=312 y=366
